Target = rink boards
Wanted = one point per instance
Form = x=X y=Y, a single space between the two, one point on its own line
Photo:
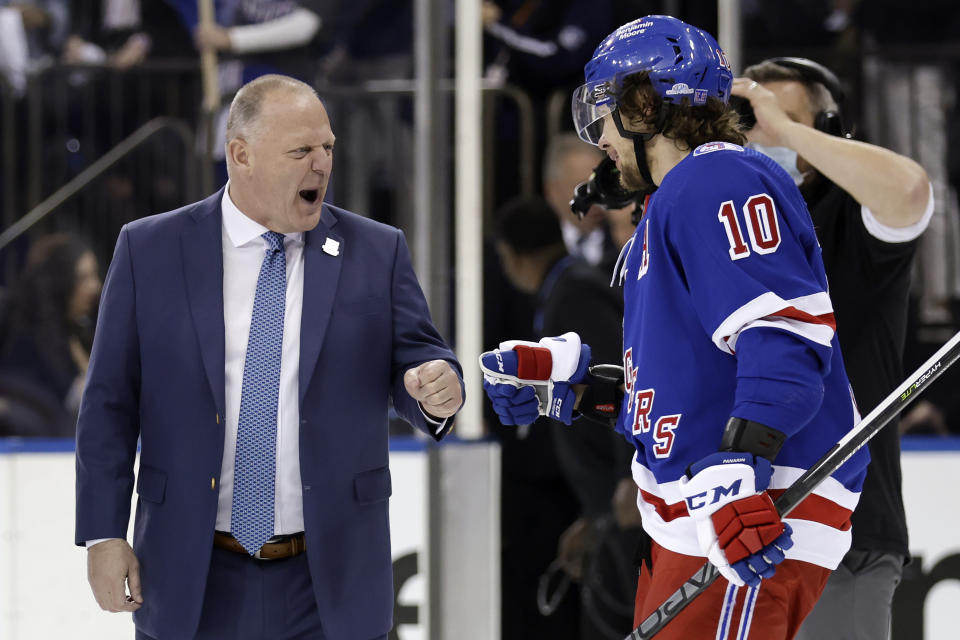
x=444 y=526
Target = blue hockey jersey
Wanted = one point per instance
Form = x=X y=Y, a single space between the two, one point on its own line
x=727 y=314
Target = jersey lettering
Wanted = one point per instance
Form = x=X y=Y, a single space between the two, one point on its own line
x=728 y=217
x=629 y=376
x=761 y=216
x=763 y=226
x=641 y=403
x=641 y=418
x=663 y=435
x=645 y=257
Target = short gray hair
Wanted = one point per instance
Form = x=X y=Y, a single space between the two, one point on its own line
x=246 y=105
x=559 y=147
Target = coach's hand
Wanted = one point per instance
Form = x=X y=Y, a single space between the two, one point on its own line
x=109 y=563
x=738 y=527
x=436 y=386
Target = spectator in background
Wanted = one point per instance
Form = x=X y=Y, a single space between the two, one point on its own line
x=31 y=33
x=123 y=33
x=275 y=31
x=571 y=295
x=372 y=42
x=568 y=162
x=253 y=38
x=930 y=418
x=47 y=330
x=539 y=46
x=869 y=207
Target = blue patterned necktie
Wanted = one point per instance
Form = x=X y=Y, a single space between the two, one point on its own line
x=251 y=519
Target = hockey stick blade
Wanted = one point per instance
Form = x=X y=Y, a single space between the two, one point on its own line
x=883 y=413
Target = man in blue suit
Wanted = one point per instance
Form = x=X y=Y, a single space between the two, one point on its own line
x=251 y=341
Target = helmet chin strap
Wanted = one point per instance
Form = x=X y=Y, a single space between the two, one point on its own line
x=640 y=151
x=639 y=140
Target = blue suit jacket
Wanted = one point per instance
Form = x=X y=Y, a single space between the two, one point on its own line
x=157 y=373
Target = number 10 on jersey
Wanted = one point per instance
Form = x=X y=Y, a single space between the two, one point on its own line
x=760 y=215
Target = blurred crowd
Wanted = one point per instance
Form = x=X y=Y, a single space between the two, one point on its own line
x=555 y=524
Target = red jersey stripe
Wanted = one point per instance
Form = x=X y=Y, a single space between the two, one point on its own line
x=666 y=511
x=795 y=314
x=819 y=509
x=815 y=508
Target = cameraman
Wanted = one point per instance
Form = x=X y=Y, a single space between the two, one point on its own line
x=869 y=206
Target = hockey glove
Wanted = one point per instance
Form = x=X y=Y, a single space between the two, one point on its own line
x=738 y=527
x=525 y=380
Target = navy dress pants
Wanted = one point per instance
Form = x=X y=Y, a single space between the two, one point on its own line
x=248 y=599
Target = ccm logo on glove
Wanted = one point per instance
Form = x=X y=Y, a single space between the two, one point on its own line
x=699 y=500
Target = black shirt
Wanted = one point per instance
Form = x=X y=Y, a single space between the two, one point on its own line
x=869 y=282
x=575 y=296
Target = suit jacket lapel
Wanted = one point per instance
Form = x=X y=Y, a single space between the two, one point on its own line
x=203 y=270
x=321 y=272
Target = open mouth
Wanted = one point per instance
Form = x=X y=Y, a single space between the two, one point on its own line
x=310 y=195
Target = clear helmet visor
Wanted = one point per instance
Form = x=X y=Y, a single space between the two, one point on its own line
x=591 y=103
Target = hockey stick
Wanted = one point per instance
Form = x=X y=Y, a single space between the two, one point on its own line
x=884 y=412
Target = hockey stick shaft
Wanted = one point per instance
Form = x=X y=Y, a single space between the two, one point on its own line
x=876 y=420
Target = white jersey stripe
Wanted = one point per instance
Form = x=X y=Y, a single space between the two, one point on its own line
x=783 y=477
x=816 y=304
x=746 y=616
x=726 y=612
x=819 y=333
x=817 y=543
x=831 y=488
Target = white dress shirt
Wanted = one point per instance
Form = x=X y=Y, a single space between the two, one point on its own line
x=243 y=252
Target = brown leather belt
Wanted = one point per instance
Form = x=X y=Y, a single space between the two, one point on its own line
x=284 y=547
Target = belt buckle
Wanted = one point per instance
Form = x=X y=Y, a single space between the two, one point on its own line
x=259 y=556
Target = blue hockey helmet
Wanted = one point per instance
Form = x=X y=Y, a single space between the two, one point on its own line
x=682 y=60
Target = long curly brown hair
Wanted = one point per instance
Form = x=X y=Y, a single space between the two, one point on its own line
x=689 y=125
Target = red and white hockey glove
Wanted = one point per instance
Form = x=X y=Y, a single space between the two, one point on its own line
x=738 y=527
x=525 y=380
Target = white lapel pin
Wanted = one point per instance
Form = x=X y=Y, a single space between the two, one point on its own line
x=331 y=247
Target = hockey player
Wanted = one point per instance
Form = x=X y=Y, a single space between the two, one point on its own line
x=733 y=383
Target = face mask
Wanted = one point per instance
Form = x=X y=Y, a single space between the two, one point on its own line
x=786 y=158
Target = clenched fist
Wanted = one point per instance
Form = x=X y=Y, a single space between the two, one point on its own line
x=436 y=387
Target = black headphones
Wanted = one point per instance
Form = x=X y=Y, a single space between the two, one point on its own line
x=827 y=121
